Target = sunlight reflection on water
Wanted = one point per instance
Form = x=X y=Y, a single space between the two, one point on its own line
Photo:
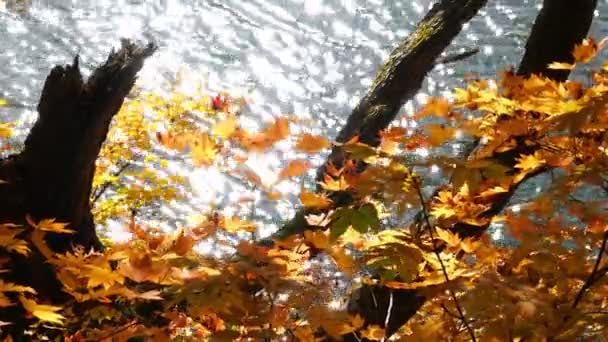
x=307 y=58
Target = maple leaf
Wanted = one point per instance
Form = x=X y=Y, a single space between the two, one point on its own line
x=49 y=225
x=9 y=241
x=311 y=144
x=586 y=51
x=435 y=106
x=104 y=276
x=452 y=239
x=312 y=200
x=331 y=184
x=529 y=162
x=295 y=168
x=45 y=313
x=442 y=211
x=438 y=134
x=277 y=131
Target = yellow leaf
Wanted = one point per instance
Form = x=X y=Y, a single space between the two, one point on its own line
x=5 y=130
x=295 y=168
x=235 y=225
x=450 y=238
x=45 y=313
x=104 y=276
x=9 y=241
x=441 y=210
x=530 y=162
x=312 y=200
x=2 y=102
x=331 y=184
x=226 y=128
x=309 y=143
x=204 y=150
x=49 y=225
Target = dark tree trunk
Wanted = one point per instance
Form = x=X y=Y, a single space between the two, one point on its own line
x=52 y=177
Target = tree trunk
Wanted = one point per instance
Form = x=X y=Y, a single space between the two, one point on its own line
x=52 y=176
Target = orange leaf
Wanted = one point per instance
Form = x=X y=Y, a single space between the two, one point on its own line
x=309 y=143
x=435 y=106
x=295 y=168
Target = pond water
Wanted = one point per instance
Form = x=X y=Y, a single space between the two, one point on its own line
x=310 y=58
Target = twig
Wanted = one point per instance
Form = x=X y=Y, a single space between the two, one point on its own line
x=457 y=56
x=594 y=276
x=104 y=187
x=388 y=313
x=427 y=220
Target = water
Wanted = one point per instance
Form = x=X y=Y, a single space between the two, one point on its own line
x=310 y=58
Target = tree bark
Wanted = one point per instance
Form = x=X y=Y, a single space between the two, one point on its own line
x=553 y=37
x=52 y=176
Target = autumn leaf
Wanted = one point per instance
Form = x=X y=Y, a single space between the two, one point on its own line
x=45 y=313
x=332 y=184
x=318 y=239
x=295 y=168
x=103 y=276
x=225 y=128
x=587 y=50
x=9 y=240
x=235 y=225
x=529 y=163
x=49 y=225
x=316 y=201
x=442 y=211
x=437 y=106
x=311 y=144
x=203 y=150
x=5 y=130
x=438 y=134
x=277 y=131
x=450 y=238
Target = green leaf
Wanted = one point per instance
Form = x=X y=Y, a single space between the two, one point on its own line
x=341 y=220
x=364 y=218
